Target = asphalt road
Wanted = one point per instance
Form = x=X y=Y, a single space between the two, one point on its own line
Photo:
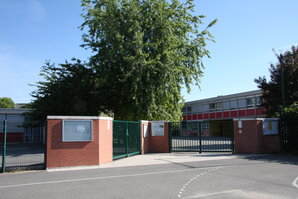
x=270 y=176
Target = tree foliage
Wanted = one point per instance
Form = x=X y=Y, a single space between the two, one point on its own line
x=291 y=112
x=291 y=118
x=6 y=102
x=67 y=89
x=144 y=52
x=272 y=89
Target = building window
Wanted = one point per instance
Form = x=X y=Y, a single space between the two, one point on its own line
x=218 y=105
x=226 y=105
x=212 y=107
x=233 y=104
x=250 y=102
x=200 y=108
x=188 y=109
x=259 y=101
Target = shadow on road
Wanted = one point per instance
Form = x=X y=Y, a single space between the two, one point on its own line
x=275 y=158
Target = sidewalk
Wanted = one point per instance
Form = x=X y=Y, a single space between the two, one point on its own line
x=166 y=158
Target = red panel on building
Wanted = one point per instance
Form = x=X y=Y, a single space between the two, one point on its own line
x=206 y=116
x=212 y=115
x=242 y=113
x=189 y=117
x=234 y=114
x=219 y=115
x=194 y=117
x=184 y=117
x=261 y=111
x=226 y=114
x=200 y=116
x=12 y=137
x=251 y=112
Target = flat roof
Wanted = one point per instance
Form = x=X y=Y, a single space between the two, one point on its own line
x=12 y=111
x=223 y=97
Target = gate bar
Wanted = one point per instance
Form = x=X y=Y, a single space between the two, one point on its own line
x=4 y=145
x=200 y=133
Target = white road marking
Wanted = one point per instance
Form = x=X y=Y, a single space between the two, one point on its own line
x=238 y=193
x=295 y=183
x=99 y=178
x=194 y=178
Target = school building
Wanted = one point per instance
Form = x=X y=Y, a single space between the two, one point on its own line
x=239 y=105
x=238 y=115
x=17 y=132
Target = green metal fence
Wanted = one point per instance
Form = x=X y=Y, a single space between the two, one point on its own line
x=126 y=138
x=17 y=152
x=207 y=136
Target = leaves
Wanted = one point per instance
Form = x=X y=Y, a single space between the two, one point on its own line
x=67 y=89
x=144 y=52
x=6 y=102
x=272 y=88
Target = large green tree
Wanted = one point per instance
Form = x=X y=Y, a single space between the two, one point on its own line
x=144 y=52
x=67 y=89
x=6 y=102
x=271 y=89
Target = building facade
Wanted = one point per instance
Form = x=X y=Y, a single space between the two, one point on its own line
x=240 y=105
x=17 y=132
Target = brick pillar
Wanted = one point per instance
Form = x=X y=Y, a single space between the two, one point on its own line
x=105 y=140
x=158 y=143
x=249 y=137
x=64 y=153
x=145 y=136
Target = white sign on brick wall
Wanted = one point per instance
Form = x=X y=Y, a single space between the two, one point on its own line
x=77 y=130
x=158 y=129
x=145 y=130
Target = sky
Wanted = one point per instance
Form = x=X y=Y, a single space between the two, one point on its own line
x=33 y=31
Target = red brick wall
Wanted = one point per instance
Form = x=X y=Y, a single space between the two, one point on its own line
x=252 y=140
x=154 y=144
x=64 y=154
x=160 y=144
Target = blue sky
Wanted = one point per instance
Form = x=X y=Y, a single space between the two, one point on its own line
x=32 y=31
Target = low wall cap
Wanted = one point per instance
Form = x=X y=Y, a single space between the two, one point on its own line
x=53 y=117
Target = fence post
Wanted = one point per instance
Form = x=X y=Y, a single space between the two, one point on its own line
x=232 y=137
x=170 y=136
x=141 y=136
x=200 y=133
x=44 y=129
x=4 y=145
x=126 y=140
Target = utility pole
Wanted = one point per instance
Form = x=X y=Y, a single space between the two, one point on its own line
x=282 y=111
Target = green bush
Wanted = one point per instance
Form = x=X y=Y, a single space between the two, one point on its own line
x=291 y=119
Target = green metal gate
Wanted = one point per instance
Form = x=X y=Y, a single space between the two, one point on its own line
x=202 y=136
x=126 y=138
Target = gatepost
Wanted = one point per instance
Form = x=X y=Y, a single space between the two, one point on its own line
x=78 y=141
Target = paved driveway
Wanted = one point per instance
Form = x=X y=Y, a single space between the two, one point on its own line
x=164 y=176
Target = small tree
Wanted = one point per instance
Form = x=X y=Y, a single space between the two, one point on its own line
x=6 y=102
x=272 y=89
x=144 y=52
